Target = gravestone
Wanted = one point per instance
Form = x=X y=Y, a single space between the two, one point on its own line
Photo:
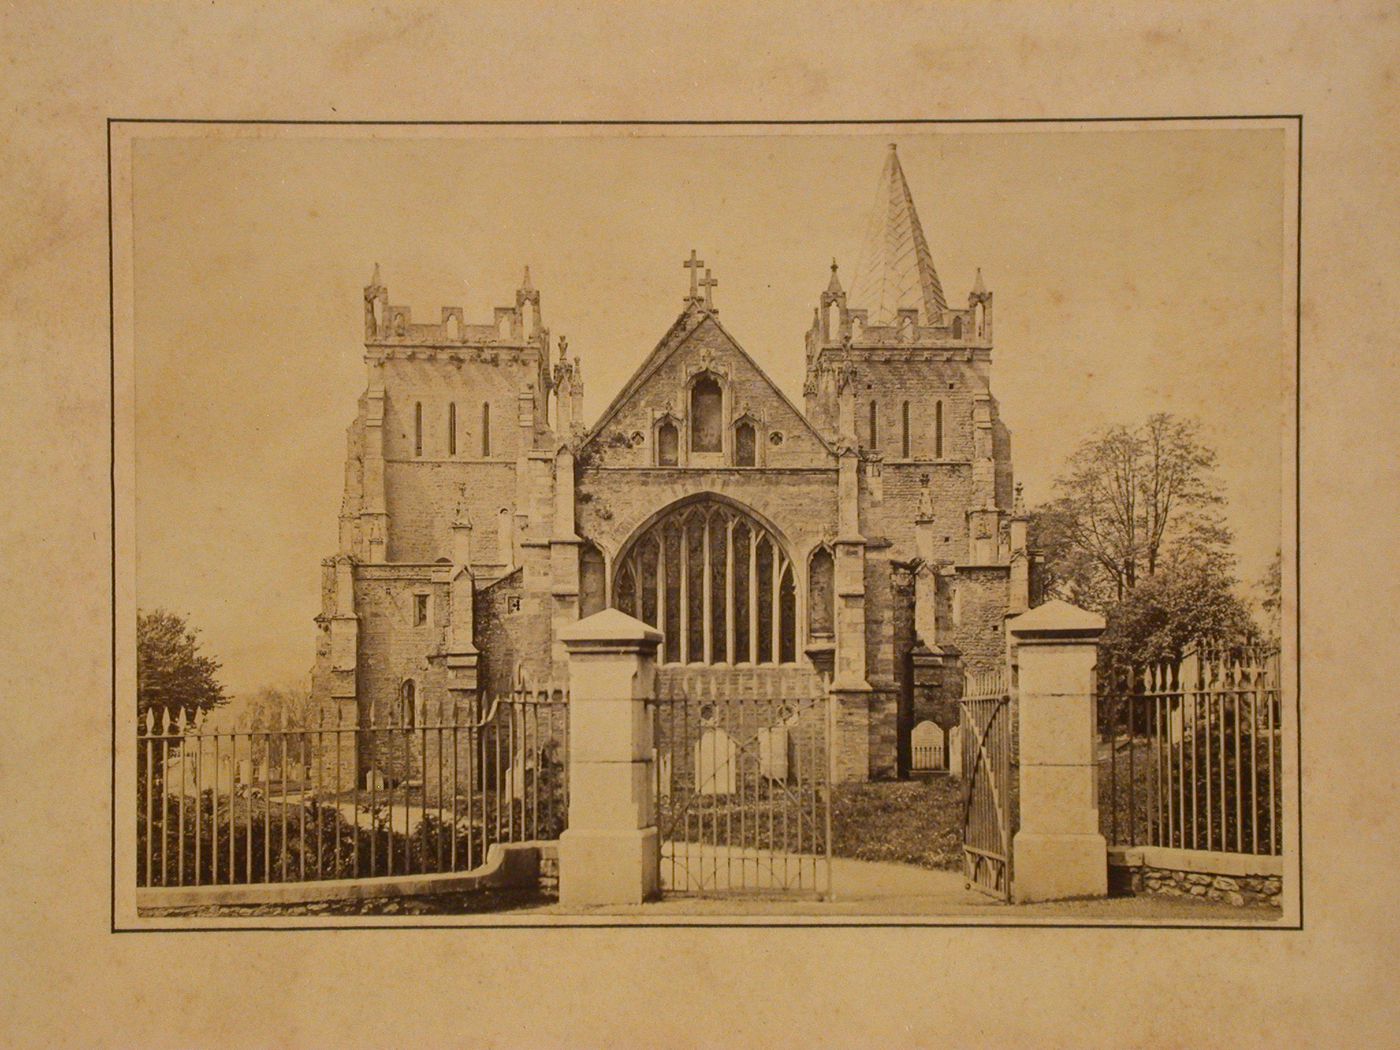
x=182 y=776
x=955 y=751
x=515 y=785
x=663 y=767
x=926 y=743
x=774 y=745
x=716 y=763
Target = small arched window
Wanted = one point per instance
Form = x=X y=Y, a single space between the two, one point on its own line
x=938 y=429
x=904 y=419
x=667 y=445
x=485 y=429
x=418 y=428
x=821 y=602
x=706 y=412
x=874 y=425
x=408 y=703
x=745 y=446
x=452 y=428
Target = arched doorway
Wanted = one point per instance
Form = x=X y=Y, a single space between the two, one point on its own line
x=716 y=582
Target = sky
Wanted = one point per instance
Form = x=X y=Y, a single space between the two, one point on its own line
x=1133 y=271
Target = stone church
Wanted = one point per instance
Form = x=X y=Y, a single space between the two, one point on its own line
x=870 y=536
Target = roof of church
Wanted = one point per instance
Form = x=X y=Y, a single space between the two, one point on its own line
x=691 y=319
x=895 y=271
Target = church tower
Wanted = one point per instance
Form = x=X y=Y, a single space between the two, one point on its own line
x=902 y=377
x=448 y=501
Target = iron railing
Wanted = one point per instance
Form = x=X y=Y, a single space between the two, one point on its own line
x=743 y=785
x=1191 y=752
x=989 y=789
x=419 y=792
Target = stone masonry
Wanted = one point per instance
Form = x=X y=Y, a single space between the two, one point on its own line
x=871 y=536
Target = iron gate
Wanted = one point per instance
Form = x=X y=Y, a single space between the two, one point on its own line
x=985 y=722
x=743 y=782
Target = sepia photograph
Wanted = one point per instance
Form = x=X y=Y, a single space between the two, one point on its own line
x=821 y=524
x=706 y=524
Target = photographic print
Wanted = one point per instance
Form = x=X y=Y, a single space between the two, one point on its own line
x=729 y=523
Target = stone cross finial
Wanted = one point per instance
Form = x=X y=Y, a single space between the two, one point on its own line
x=707 y=283
x=693 y=264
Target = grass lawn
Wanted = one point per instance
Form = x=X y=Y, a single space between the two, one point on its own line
x=905 y=821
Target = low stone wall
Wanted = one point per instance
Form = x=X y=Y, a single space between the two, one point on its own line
x=532 y=866
x=1231 y=878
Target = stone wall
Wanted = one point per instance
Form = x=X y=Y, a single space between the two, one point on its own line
x=979 y=627
x=1230 y=878
x=627 y=435
x=614 y=503
x=435 y=382
x=897 y=379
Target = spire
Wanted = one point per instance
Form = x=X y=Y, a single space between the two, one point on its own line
x=896 y=268
x=834 y=286
x=525 y=285
x=374 y=281
x=978 y=288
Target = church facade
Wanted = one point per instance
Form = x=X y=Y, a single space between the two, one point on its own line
x=869 y=539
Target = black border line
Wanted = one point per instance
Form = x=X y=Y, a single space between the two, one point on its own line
x=856 y=924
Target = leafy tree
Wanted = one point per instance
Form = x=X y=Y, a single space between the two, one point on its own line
x=1131 y=503
x=288 y=706
x=1271 y=587
x=171 y=673
x=1179 y=604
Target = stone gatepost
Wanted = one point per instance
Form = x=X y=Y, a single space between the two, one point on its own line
x=1058 y=851
x=610 y=853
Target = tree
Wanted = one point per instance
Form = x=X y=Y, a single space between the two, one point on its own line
x=1131 y=502
x=171 y=673
x=1271 y=587
x=1181 y=603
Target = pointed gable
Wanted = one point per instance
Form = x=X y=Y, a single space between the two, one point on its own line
x=659 y=392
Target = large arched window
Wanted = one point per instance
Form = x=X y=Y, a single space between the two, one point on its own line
x=706 y=415
x=715 y=582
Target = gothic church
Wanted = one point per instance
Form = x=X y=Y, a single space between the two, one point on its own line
x=870 y=537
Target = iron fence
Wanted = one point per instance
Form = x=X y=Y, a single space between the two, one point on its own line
x=989 y=792
x=743 y=785
x=1191 y=752
x=418 y=792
